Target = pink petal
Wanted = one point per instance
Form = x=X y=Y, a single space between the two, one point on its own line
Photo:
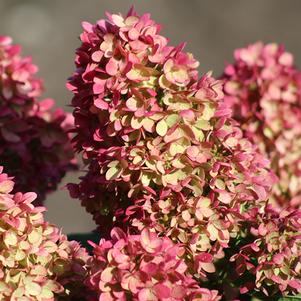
x=149 y=241
x=106 y=297
x=178 y=292
x=112 y=67
x=101 y=104
x=162 y=291
x=87 y=26
x=97 y=56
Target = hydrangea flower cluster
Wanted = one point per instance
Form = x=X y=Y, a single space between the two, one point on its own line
x=37 y=262
x=263 y=89
x=273 y=253
x=33 y=136
x=142 y=267
x=19 y=86
x=147 y=126
x=119 y=60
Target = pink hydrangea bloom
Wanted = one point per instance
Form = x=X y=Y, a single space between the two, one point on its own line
x=33 y=136
x=271 y=253
x=19 y=86
x=264 y=90
x=223 y=177
x=142 y=267
x=37 y=262
x=146 y=125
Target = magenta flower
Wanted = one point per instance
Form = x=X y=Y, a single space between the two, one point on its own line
x=37 y=262
x=33 y=136
x=142 y=267
x=263 y=89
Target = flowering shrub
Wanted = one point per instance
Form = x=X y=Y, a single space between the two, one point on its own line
x=178 y=189
x=263 y=89
x=142 y=267
x=37 y=262
x=33 y=137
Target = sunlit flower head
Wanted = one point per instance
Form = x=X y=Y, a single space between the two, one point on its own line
x=263 y=88
x=37 y=262
x=145 y=124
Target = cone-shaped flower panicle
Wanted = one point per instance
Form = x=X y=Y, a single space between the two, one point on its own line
x=148 y=128
x=263 y=88
x=142 y=267
x=33 y=137
x=37 y=262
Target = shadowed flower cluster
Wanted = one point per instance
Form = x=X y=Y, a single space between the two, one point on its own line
x=33 y=136
x=142 y=267
x=37 y=262
x=263 y=89
x=273 y=255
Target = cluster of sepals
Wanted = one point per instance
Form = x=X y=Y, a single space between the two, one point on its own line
x=142 y=267
x=272 y=255
x=33 y=136
x=264 y=90
x=37 y=262
x=165 y=159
